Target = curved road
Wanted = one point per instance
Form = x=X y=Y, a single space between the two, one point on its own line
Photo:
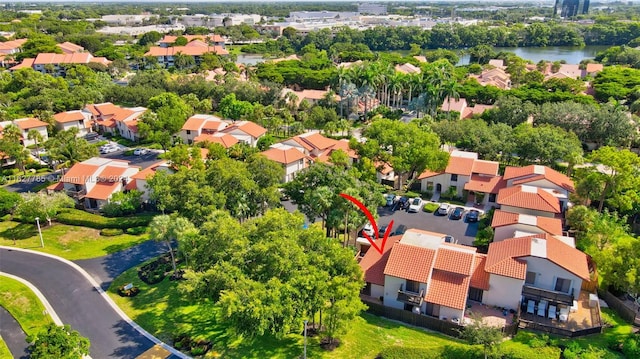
x=77 y=303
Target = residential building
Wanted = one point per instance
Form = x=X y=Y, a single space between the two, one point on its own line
x=407 y=68
x=70 y=48
x=8 y=50
x=139 y=179
x=196 y=48
x=542 y=177
x=464 y=172
x=223 y=139
x=92 y=182
x=494 y=77
x=319 y=147
x=25 y=125
x=291 y=159
x=116 y=120
x=210 y=39
x=200 y=124
x=54 y=64
x=246 y=132
x=127 y=19
x=74 y=119
x=311 y=96
x=509 y=225
x=529 y=200
x=462 y=108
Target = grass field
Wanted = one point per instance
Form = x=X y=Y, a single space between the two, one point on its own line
x=4 y=351
x=23 y=305
x=66 y=241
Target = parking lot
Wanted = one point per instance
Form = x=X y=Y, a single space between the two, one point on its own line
x=143 y=161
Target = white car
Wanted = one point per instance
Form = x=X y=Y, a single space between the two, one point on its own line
x=140 y=151
x=368 y=229
x=443 y=210
x=108 y=148
x=415 y=204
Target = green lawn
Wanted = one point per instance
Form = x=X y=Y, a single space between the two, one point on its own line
x=4 y=351
x=23 y=304
x=235 y=49
x=70 y=242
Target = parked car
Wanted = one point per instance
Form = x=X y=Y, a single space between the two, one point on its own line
x=390 y=199
x=283 y=195
x=368 y=229
x=382 y=229
x=449 y=239
x=108 y=148
x=473 y=215
x=443 y=210
x=457 y=213
x=402 y=203
x=416 y=205
x=399 y=230
x=91 y=136
x=140 y=151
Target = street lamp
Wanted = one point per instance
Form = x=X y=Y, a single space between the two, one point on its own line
x=305 y=339
x=40 y=232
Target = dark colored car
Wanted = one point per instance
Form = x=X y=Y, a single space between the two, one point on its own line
x=381 y=230
x=403 y=203
x=473 y=216
x=457 y=213
x=399 y=230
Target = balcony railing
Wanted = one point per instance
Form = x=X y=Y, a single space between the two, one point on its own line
x=546 y=294
x=409 y=297
x=76 y=193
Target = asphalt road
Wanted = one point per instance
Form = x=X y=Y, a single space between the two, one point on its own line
x=77 y=303
x=143 y=161
x=13 y=335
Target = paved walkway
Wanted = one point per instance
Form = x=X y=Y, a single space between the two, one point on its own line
x=12 y=334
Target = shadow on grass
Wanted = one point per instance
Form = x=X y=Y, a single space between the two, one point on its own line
x=19 y=232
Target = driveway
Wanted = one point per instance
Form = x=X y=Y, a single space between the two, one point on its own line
x=77 y=303
x=143 y=161
x=13 y=335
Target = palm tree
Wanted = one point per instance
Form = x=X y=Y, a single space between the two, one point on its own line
x=35 y=136
x=451 y=90
x=165 y=229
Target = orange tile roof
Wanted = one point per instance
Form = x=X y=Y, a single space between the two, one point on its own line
x=248 y=127
x=318 y=141
x=103 y=109
x=12 y=45
x=142 y=175
x=214 y=125
x=505 y=257
x=428 y=173
x=453 y=261
x=451 y=104
x=373 y=263
x=29 y=123
x=547 y=224
x=111 y=173
x=170 y=39
x=131 y=185
x=185 y=50
x=485 y=167
x=26 y=63
x=344 y=145
x=529 y=197
x=69 y=47
x=103 y=190
x=52 y=58
x=58 y=186
x=284 y=156
x=460 y=166
x=193 y=124
x=225 y=139
x=448 y=289
x=534 y=172
x=485 y=184
x=79 y=173
x=594 y=68
x=479 y=277
x=410 y=262
x=68 y=116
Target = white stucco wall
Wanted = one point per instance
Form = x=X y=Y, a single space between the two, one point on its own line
x=504 y=232
x=547 y=272
x=445 y=181
x=503 y=292
x=82 y=129
x=450 y=313
x=377 y=291
x=186 y=137
x=391 y=287
x=41 y=130
x=292 y=168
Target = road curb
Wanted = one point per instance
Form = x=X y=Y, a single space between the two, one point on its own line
x=38 y=293
x=106 y=297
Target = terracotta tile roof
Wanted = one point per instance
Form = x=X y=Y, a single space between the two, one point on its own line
x=69 y=47
x=428 y=173
x=485 y=184
x=248 y=127
x=131 y=185
x=421 y=58
x=373 y=263
x=284 y=155
x=103 y=109
x=317 y=140
x=549 y=225
x=410 y=262
x=479 y=277
x=69 y=116
x=384 y=168
x=453 y=261
x=29 y=123
x=193 y=124
x=103 y=190
x=11 y=46
x=485 y=167
x=52 y=58
x=407 y=69
x=58 y=186
x=344 y=145
x=529 y=197
x=460 y=166
x=142 y=175
x=170 y=39
x=451 y=104
x=215 y=124
x=594 y=68
x=79 y=173
x=448 y=289
x=225 y=139
x=111 y=174
x=534 y=173
x=25 y=64
x=185 y=50
x=506 y=257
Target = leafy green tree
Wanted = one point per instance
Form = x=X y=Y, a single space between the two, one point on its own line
x=11 y=145
x=234 y=109
x=36 y=44
x=69 y=149
x=149 y=38
x=621 y=181
x=34 y=135
x=58 y=342
x=8 y=201
x=168 y=229
x=479 y=333
x=545 y=143
x=42 y=205
x=123 y=203
x=168 y=113
x=512 y=111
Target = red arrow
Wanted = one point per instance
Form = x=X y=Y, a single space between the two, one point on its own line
x=364 y=209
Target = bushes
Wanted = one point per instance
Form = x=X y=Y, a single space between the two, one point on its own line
x=136 y=231
x=154 y=272
x=129 y=292
x=430 y=207
x=111 y=232
x=448 y=352
x=76 y=217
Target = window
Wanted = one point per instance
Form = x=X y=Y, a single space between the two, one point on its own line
x=454 y=178
x=412 y=286
x=475 y=294
x=301 y=162
x=531 y=278
x=563 y=285
x=188 y=132
x=492 y=197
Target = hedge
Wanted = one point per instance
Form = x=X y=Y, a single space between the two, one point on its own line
x=111 y=232
x=136 y=230
x=76 y=217
x=446 y=352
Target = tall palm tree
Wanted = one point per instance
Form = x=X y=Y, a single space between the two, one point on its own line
x=35 y=136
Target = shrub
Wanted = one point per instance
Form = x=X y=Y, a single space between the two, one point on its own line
x=111 y=232
x=430 y=207
x=43 y=170
x=76 y=217
x=398 y=352
x=136 y=230
x=132 y=292
x=128 y=152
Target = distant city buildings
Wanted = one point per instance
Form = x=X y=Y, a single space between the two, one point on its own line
x=571 y=8
x=372 y=9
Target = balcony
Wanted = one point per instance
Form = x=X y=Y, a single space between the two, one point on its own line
x=78 y=194
x=552 y=296
x=409 y=297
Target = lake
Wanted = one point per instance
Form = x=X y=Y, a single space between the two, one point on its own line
x=571 y=54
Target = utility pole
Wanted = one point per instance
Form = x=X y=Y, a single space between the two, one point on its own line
x=40 y=232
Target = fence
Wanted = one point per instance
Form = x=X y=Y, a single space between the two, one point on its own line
x=448 y=328
x=626 y=313
x=558 y=331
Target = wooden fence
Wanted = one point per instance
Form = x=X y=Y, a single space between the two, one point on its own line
x=418 y=320
x=626 y=313
x=525 y=324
